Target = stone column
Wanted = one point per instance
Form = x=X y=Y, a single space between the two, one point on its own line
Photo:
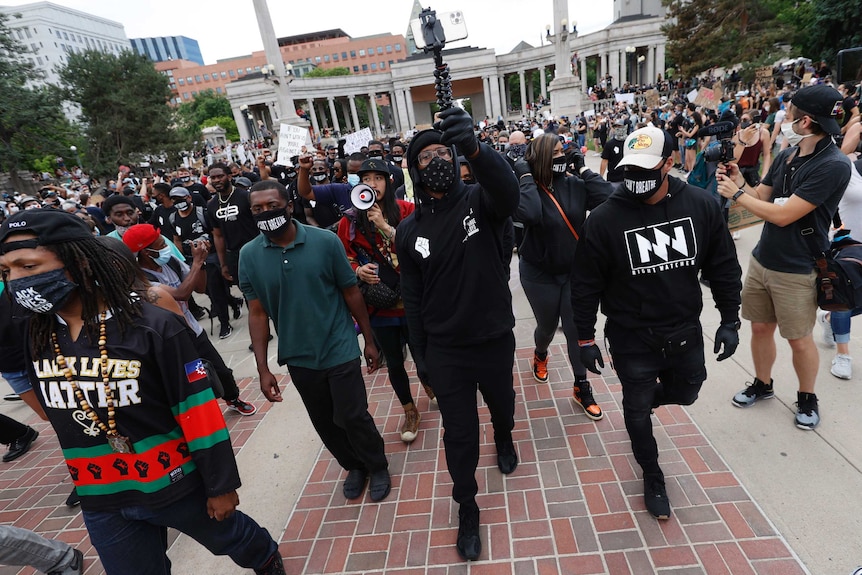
x=486 y=93
x=531 y=93
x=504 y=95
x=372 y=111
x=241 y=123
x=335 y=125
x=353 y=114
x=650 y=62
x=494 y=86
x=523 y=92
x=394 y=116
x=584 y=72
x=345 y=109
x=614 y=67
x=659 y=61
x=624 y=67
x=410 y=111
x=313 y=114
x=403 y=115
x=543 y=84
x=321 y=114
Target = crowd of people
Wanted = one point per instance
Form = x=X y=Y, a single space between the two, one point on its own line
x=409 y=244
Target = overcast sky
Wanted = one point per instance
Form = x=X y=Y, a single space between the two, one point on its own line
x=227 y=28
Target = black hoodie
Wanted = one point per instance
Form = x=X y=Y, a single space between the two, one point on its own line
x=642 y=261
x=453 y=281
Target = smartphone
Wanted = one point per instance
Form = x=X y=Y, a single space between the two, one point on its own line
x=450 y=24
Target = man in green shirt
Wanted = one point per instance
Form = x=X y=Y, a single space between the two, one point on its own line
x=299 y=277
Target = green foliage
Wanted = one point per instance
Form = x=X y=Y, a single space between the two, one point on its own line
x=32 y=123
x=227 y=123
x=124 y=107
x=706 y=33
x=827 y=26
x=327 y=72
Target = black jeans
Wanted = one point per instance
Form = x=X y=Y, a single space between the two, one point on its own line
x=208 y=351
x=391 y=339
x=338 y=408
x=10 y=430
x=650 y=380
x=455 y=373
x=218 y=290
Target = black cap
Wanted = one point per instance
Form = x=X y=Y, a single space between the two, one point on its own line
x=242 y=182
x=373 y=165
x=179 y=192
x=823 y=102
x=48 y=225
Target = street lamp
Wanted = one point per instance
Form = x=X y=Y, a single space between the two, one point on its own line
x=630 y=50
x=249 y=119
x=74 y=150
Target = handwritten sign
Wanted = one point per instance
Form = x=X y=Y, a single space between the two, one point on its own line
x=764 y=73
x=653 y=99
x=357 y=140
x=290 y=142
x=706 y=98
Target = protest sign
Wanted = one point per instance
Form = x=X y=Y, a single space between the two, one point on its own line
x=357 y=140
x=290 y=142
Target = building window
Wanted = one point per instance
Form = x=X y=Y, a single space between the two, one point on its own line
x=362 y=52
x=380 y=49
x=325 y=58
x=389 y=48
x=397 y=47
x=181 y=82
x=344 y=55
x=353 y=53
x=189 y=80
x=231 y=73
x=382 y=65
x=206 y=77
x=373 y=65
x=239 y=70
x=335 y=57
x=198 y=80
x=356 y=68
x=171 y=73
x=60 y=36
x=365 y=67
x=248 y=70
x=33 y=46
x=65 y=36
x=218 y=89
x=185 y=95
x=223 y=74
x=27 y=31
x=39 y=60
x=257 y=68
x=87 y=42
x=317 y=59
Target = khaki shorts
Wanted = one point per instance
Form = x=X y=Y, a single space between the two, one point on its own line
x=790 y=300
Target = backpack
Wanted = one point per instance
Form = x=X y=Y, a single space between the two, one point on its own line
x=199 y=211
x=839 y=276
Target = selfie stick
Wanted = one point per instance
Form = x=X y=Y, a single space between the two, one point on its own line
x=435 y=40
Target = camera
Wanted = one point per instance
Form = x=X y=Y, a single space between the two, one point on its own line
x=720 y=151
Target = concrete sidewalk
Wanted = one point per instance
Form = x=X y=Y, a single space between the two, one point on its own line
x=751 y=493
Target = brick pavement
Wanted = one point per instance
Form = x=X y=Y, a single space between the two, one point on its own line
x=573 y=506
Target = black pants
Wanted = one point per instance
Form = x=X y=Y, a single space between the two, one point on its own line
x=650 y=380
x=218 y=290
x=391 y=340
x=10 y=430
x=208 y=351
x=338 y=408
x=455 y=373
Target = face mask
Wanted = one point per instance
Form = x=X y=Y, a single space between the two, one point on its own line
x=766 y=107
x=558 y=165
x=319 y=177
x=13 y=210
x=32 y=207
x=290 y=174
x=185 y=179
x=42 y=293
x=643 y=184
x=375 y=154
x=352 y=179
x=620 y=134
x=744 y=124
x=181 y=206
x=164 y=256
x=438 y=176
x=397 y=159
x=272 y=223
x=121 y=230
x=792 y=137
x=517 y=150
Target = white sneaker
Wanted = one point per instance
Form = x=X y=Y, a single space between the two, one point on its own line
x=842 y=366
x=736 y=235
x=823 y=320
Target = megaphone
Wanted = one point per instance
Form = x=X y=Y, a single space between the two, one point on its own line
x=362 y=196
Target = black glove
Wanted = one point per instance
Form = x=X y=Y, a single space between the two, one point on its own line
x=457 y=127
x=590 y=356
x=576 y=160
x=521 y=168
x=728 y=335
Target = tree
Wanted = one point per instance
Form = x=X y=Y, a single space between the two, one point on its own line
x=200 y=113
x=706 y=33
x=326 y=72
x=829 y=26
x=124 y=107
x=224 y=122
x=32 y=123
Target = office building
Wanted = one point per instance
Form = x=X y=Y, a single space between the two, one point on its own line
x=165 y=48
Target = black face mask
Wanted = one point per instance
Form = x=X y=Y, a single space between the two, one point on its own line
x=558 y=165
x=517 y=150
x=185 y=179
x=643 y=184
x=438 y=176
x=272 y=223
x=42 y=293
x=744 y=124
x=181 y=205
x=375 y=154
x=290 y=174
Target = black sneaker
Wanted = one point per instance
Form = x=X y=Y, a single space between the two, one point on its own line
x=507 y=457
x=199 y=313
x=655 y=497
x=753 y=393
x=807 y=411
x=76 y=566
x=379 y=485
x=275 y=566
x=74 y=499
x=225 y=331
x=354 y=485
x=241 y=407
x=21 y=445
x=236 y=306
x=469 y=543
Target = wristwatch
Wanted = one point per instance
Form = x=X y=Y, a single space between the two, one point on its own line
x=739 y=192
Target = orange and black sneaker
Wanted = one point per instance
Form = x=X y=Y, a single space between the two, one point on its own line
x=582 y=394
x=540 y=368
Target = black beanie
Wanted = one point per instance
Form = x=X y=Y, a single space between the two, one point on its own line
x=421 y=141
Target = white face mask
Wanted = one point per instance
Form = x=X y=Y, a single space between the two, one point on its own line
x=792 y=137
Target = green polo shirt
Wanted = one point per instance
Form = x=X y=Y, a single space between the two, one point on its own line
x=300 y=287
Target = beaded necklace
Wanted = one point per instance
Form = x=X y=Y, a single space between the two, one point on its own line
x=119 y=443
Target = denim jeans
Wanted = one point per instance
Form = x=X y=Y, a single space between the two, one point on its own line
x=650 y=380
x=18 y=381
x=25 y=548
x=840 y=322
x=133 y=540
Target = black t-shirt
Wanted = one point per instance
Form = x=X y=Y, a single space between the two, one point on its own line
x=161 y=219
x=200 y=189
x=233 y=218
x=613 y=153
x=847 y=105
x=191 y=228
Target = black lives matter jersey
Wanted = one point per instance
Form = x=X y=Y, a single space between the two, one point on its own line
x=164 y=405
x=233 y=218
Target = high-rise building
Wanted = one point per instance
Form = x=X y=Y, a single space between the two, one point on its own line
x=52 y=32
x=166 y=48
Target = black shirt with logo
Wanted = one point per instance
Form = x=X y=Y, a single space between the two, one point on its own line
x=233 y=217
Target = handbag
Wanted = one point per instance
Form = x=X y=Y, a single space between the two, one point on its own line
x=386 y=293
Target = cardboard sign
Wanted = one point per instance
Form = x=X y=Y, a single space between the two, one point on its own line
x=706 y=98
x=739 y=218
x=764 y=73
x=692 y=95
x=357 y=140
x=717 y=92
x=290 y=142
x=628 y=98
x=653 y=99
x=806 y=79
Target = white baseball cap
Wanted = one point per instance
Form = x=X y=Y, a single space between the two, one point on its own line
x=646 y=148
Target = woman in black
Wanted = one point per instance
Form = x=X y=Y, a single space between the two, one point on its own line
x=553 y=207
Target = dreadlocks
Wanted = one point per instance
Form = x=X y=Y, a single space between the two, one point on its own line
x=100 y=276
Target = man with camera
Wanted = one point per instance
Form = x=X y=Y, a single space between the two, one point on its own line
x=796 y=199
x=651 y=238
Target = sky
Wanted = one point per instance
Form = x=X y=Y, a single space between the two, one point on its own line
x=228 y=28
